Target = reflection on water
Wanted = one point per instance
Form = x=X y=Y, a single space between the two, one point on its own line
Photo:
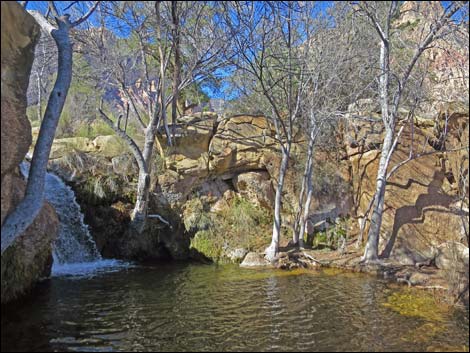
x=201 y=307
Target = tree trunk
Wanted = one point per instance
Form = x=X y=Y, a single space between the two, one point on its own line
x=308 y=201
x=372 y=246
x=139 y=214
x=302 y=213
x=27 y=210
x=273 y=249
x=296 y=230
x=177 y=66
x=39 y=98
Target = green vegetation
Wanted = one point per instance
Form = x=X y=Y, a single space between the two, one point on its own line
x=239 y=225
x=333 y=236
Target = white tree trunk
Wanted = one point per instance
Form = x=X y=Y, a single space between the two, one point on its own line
x=139 y=214
x=303 y=220
x=273 y=249
x=27 y=210
x=304 y=206
x=372 y=246
x=39 y=98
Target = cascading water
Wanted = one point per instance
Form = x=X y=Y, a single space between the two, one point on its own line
x=74 y=251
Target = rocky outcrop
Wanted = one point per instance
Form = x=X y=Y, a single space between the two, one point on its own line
x=241 y=143
x=212 y=159
x=255 y=186
x=29 y=258
x=424 y=208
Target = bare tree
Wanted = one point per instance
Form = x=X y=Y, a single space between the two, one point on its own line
x=327 y=67
x=176 y=61
x=380 y=16
x=28 y=208
x=202 y=59
x=268 y=38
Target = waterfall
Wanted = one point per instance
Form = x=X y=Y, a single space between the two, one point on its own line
x=74 y=251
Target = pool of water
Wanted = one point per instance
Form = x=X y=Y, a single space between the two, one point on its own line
x=191 y=307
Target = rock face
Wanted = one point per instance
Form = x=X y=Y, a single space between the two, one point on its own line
x=256 y=187
x=426 y=206
x=29 y=259
x=240 y=144
x=212 y=159
x=423 y=207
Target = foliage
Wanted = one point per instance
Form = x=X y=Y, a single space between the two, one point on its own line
x=239 y=225
x=332 y=236
x=96 y=128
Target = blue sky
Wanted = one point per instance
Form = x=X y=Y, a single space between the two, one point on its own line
x=123 y=31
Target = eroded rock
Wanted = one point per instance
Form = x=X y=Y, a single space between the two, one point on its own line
x=29 y=257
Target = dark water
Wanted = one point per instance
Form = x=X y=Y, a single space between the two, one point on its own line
x=210 y=308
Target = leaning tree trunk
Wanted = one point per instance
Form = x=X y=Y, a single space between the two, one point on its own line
x=139 y=214
x=27 y=210
x=273 y=249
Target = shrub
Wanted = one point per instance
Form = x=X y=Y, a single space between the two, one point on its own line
x=239 y=225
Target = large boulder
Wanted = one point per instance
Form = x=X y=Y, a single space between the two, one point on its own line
x=29 y=258
x=452 y=256
x=254 y=259
x=192 y=135
x=65 y=146
x=19 y=35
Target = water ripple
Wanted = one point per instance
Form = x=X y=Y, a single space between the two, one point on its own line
x=210 y=308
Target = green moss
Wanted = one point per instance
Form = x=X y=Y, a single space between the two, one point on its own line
x=196 y=217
